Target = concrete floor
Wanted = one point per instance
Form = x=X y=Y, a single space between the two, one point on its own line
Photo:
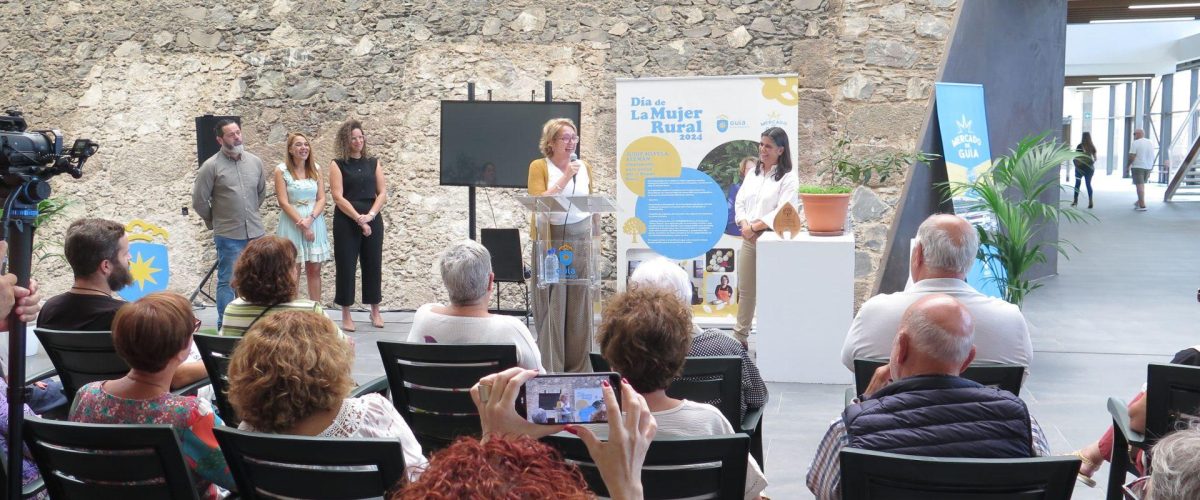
x=1125 y=299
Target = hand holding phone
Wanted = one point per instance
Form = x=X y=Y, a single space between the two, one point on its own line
x=495 y=397
x=568 y=398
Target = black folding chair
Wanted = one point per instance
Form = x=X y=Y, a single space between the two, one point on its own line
x=216 y=351
x=81 y=358
x=878 y=476
x=599 y=364
x=1002 y=376
x=109 y=461
x=1172 y=402
x=699 y=467
x=275 y=466
x=431 y=383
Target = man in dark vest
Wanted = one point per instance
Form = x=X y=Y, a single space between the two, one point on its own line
x=918 y=391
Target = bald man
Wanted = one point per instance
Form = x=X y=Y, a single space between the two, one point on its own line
x=918 y=405
x=943 y=255
x=1141 y=160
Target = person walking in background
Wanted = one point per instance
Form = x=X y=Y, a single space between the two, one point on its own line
x=230 y=188
x=764 y=189
x=1141 y=155
x=1085 y=166
x=359 y=190
x=301 y=193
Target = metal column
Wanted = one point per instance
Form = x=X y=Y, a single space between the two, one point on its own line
x=1164 y=121
x=1112 y=127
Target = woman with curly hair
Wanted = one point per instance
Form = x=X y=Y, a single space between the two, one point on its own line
x=301 y=193
x=645 y=335
x=154 y=335
x=266 y=281
x=359 y=190
x=298 y=354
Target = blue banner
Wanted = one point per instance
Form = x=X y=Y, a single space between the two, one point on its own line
x=962 y=121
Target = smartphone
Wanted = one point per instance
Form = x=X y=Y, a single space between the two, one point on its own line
x=569 y=398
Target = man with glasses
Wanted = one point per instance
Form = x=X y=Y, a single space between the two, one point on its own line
x=98 y=253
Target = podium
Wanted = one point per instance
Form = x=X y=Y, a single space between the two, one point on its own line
x=564 y=311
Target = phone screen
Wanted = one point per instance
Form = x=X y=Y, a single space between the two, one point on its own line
x=567 y=398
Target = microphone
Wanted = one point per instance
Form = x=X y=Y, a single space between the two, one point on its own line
x=574 y=158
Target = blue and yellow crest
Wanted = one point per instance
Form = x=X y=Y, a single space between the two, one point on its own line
x=148 y=260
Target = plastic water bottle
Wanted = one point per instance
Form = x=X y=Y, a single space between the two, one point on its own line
x=550 y=268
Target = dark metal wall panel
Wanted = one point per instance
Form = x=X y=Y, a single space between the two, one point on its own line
x=1017 y=50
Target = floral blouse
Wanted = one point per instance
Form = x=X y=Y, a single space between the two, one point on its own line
x=193 y=417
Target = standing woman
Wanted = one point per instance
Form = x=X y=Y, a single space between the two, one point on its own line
x=301 y=193
x=1085 y=166
x=359 y=190
x=563 y=313
x=764 y=189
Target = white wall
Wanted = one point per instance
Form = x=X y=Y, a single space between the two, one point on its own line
x=1130 y=48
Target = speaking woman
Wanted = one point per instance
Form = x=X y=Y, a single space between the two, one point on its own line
x=563 y=313
x=764 y=189
x=359 y=190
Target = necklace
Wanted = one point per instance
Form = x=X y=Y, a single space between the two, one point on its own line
x=107 y=294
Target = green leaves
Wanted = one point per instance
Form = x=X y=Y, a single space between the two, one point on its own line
x=811 y=189
x=1010 y=191
x=843 y=166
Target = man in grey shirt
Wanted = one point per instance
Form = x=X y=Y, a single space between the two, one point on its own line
x=230 y=187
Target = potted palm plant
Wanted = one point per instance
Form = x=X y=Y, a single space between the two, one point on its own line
x=1010 y=243
x=826 y=204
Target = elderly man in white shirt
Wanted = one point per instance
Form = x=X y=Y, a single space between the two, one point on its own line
x=944 y=252
x=765 y=189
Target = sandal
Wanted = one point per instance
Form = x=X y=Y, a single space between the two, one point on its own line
x=1083 y=478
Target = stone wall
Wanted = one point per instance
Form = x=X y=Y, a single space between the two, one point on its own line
x=132 y=75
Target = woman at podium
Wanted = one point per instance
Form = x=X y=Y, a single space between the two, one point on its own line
x=563 y=312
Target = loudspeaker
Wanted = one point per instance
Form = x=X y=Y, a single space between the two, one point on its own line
x=505 y=247
x=206 y=140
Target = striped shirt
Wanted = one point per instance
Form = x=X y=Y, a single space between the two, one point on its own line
x=239 y=314
x=825 y=473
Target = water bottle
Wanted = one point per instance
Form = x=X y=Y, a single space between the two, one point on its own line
x=550 y=268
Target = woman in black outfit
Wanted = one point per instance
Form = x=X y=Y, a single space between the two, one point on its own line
x=359 y=190
x=1085 y=166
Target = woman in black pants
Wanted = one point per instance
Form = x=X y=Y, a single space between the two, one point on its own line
x=1085 y=166
x=359 y=190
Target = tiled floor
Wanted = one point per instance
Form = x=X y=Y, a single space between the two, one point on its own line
x=1125 y=299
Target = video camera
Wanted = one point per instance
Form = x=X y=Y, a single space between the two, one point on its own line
x=38 y=153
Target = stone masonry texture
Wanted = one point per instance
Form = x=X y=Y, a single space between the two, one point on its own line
x=133 y=75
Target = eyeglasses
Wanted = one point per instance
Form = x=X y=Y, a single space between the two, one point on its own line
x=196 y=325
x=568 y=139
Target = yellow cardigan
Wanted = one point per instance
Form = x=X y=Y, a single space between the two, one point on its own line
x=539 y=180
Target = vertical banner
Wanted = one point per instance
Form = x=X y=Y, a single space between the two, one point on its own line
x=962 y=122
x=681 y=145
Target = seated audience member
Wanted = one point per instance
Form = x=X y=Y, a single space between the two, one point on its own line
x=1176 y=466
x=98 y=253
x=944 y=252
x=660 y=272
x=29 y=470
x=298 y=354
x=153 y=335
x=266 y=280
x=467 y=273
x=645 y=335
x=509 y=462
x=918 y=405
x=1095 y=454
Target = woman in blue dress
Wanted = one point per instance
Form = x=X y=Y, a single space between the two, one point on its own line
x=301 y=193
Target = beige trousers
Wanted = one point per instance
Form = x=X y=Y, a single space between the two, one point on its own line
x=562 y=313
x=747 y=282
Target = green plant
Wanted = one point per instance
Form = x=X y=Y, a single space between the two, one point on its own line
x=1010 y=191
x=811 y=189
x=845 y=170
x=48 y=209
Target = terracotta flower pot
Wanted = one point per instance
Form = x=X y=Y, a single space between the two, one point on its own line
x=826 y=213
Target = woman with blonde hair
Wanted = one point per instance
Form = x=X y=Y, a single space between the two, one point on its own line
x=301 y=193
x=359 y=190
x=562 y=312
x=290 y=374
